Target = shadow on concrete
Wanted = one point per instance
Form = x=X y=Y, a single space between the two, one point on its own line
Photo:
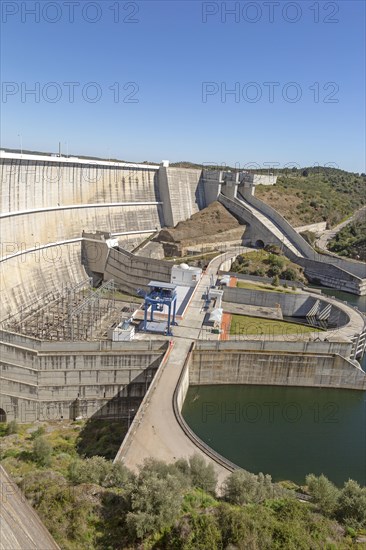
x=104 y=432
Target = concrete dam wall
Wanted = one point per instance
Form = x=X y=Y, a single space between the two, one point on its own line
x=47 y=202
x=55 y=380
x=277 y=368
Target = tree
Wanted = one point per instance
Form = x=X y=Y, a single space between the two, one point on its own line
x=155 y=504
x=42 y=451
x=352 y=505
x=242 y=487
x=325 y=494
x=90 y=470
x=203 y=475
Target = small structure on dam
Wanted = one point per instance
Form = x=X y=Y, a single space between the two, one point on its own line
x=159 y=296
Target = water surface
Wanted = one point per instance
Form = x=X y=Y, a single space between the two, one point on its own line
x=285 y=431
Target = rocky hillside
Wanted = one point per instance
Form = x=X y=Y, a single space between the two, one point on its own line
x=210 y=221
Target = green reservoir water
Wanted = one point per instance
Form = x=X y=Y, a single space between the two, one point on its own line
x=285 y=432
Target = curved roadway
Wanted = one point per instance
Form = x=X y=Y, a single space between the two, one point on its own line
x=160 y=435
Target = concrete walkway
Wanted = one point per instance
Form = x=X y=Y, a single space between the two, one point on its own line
x=159 y=434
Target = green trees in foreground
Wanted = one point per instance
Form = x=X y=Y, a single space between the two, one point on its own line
x=347 y=505
x=102 y=505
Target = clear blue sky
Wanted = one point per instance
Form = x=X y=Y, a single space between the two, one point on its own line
x=169 y=53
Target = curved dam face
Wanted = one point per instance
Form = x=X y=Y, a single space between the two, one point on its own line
x=47 y=202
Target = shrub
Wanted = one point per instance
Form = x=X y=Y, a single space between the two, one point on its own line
x=243 y=487
x=90 y=470
x=155 y=504
x=352 y=505
x=42 y=451
x=12 y=427
x=275 y=281
x=325 y=494
x=289 y=274
x=38 y=432
x=276 y=260
x=202 y=475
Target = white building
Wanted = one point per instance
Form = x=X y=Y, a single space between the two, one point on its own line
x=185 y=275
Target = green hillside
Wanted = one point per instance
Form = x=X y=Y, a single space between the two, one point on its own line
x=351 y=240
x=311 y=195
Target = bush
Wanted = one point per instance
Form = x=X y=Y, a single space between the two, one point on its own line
x=203 y=475
x=243 y=487
x=12 y=427
x=273 y=271
x=289 y=274
x=155 y=504
x=276 y=260
x=352 y=505
x=89 y=470
x=276 y=280
x=39 y=431
x=42 y=451
x=260 y=272
x=325 y=494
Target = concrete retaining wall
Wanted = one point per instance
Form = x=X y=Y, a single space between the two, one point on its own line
x=292 y=305
x=356 y=268
x=61 y=377
x=280 y=368
x=131 y=272
x=288 y=346
x=322 y=269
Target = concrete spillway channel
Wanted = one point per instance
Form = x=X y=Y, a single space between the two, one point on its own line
x=269 y=227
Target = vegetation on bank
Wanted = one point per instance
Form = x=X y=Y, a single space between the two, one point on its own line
x=351 y=240
x=246 y=325
x=310 y=195
x=264 y=287
x=91 y=503
x=269 y=262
